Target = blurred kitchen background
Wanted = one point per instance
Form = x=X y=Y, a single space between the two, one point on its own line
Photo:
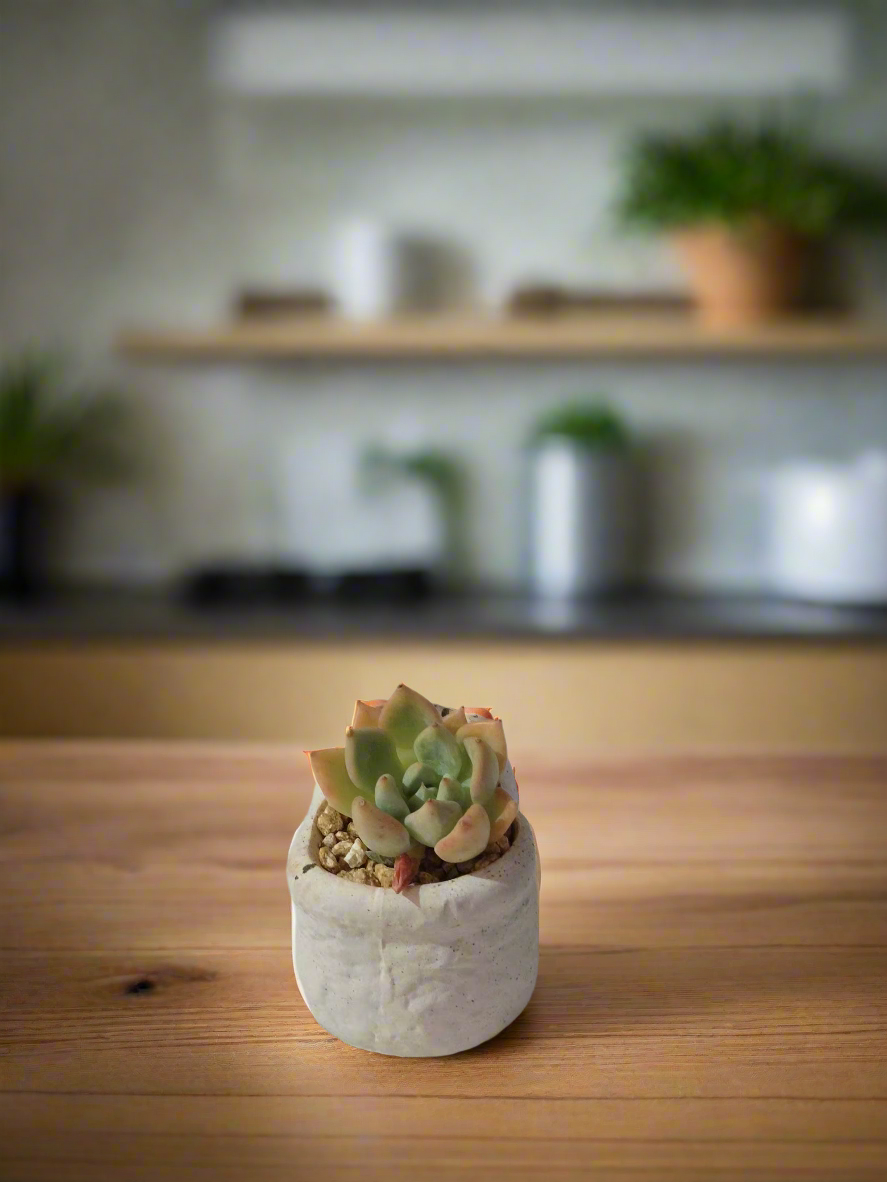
x=372 y=342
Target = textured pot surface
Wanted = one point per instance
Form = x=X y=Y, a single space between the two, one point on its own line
x=432 y=971
x=742 y=276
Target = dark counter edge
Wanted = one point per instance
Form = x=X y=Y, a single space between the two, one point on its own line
x=103 y=614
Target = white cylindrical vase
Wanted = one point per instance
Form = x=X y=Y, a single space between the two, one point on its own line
x=370 y=270
x=582 y=519
x=435 y=970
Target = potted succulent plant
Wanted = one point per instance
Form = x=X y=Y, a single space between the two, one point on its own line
x=583 y=519
x=47 y=435
x=742 y=207
x=414 y=882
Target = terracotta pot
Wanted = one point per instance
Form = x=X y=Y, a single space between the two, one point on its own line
x=432 y=971
x=742 y=276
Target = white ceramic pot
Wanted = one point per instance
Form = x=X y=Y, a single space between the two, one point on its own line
x=432 y=971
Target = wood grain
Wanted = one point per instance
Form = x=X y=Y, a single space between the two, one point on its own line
x=711 y=1000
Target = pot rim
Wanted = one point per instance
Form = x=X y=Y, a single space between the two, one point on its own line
x=516 y=825
x=344 y=901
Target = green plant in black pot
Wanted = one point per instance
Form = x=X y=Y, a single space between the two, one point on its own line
x=742 y=205
x=48 y=435
x=582 y=524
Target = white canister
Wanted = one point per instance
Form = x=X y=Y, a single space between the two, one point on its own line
x=435 y=970
x=371 y=270
x=582 y=519
x=827 y=530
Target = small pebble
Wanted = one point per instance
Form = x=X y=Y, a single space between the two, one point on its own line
x=383 y=874
x=329 y=821
x=357 y=855
x=327 y=860
x=342 y=852
x=361 y=875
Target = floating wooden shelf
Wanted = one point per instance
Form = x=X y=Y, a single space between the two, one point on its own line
x=597 y=335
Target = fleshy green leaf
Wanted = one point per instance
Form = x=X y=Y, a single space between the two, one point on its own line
x=419 y=773
x=406 y=757
x=425 y=792
x=433 y=821
x=484 y=769
x=369 y=753
x=378 y=831
x=468 y=837
x=390 y=799
x=451 y=789
x=331 y=775
x=439 y=749
x=405 y=715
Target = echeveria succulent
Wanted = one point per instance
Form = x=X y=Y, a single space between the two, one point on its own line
x=412 y=775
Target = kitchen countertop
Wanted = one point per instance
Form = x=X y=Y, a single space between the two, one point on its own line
x=710 y=1001
x=159 y=615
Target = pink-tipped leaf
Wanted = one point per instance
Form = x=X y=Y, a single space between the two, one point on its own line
x=501 y=809
x=468 y=837
x=366 y=713
x=433 y=821
x=331 y=776
x=454 y=720
x=492 y=732
x=484 y=769
x=378 y=830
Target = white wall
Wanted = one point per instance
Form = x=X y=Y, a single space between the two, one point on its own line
x=129 y=193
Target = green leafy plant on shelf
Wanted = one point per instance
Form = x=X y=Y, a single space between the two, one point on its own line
x=742 y=206
x=48 y=432
x=730 y=174
x=594 y=427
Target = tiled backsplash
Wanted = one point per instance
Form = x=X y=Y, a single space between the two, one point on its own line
x=132 y=193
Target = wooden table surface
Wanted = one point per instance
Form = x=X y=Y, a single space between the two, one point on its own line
x=712 y=997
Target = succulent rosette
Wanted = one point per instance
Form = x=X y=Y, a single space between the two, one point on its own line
x=413 y=775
